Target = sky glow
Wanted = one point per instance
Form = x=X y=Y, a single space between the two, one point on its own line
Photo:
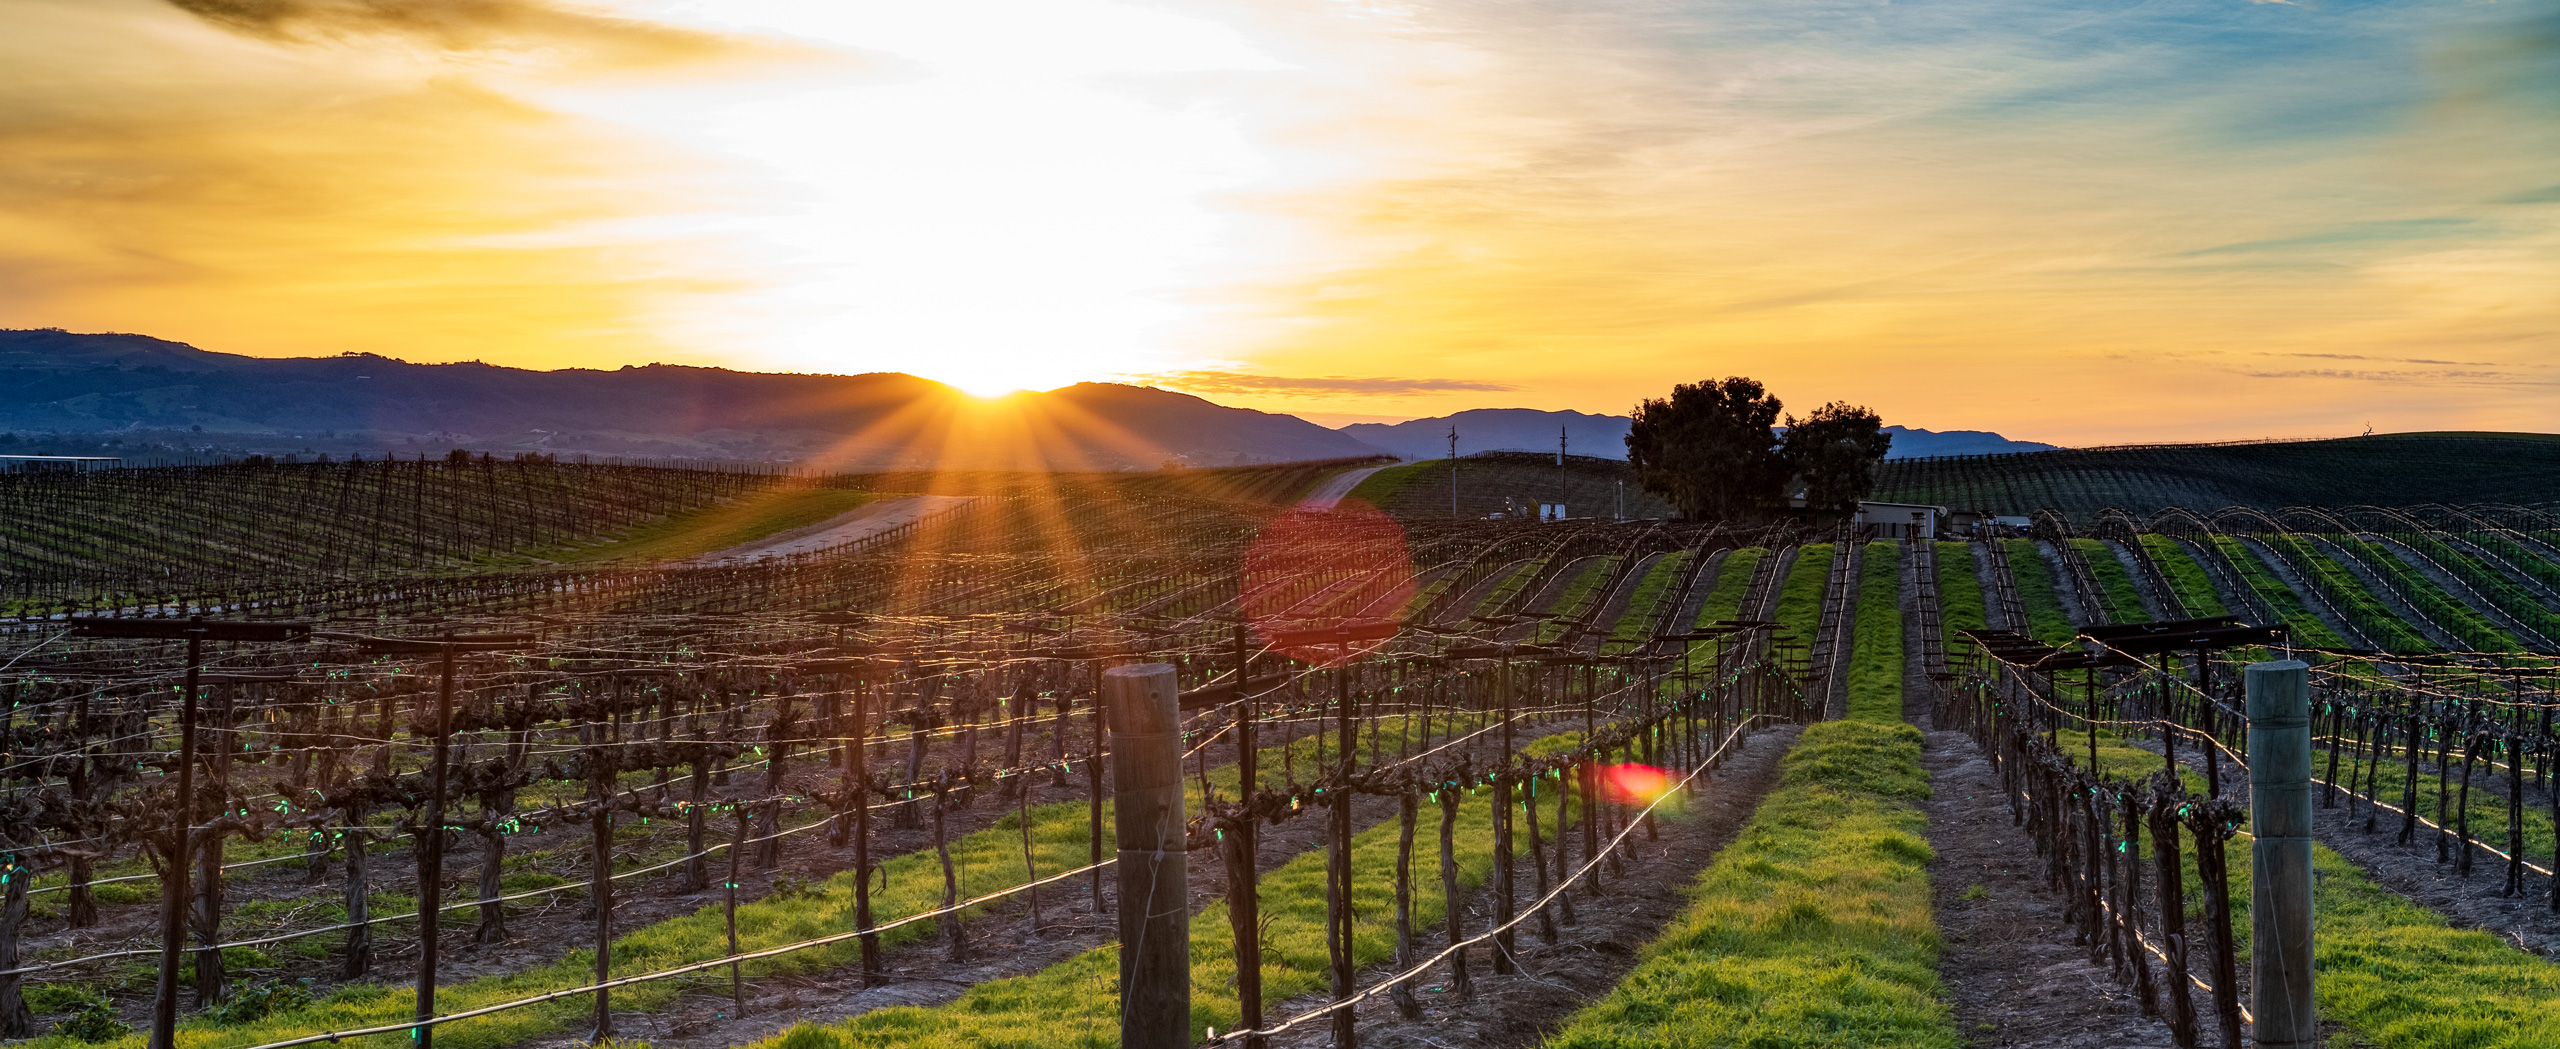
x=2081 y=222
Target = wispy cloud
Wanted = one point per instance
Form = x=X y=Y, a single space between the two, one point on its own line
x=2357 y=233
x=474 y=25
x=2362 y=375
x=2371 y=357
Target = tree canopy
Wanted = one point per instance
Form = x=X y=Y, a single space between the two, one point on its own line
x=1710 y=449
x=1715 y=451
x=1833 y=454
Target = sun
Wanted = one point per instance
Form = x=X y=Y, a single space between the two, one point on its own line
x=988 y=388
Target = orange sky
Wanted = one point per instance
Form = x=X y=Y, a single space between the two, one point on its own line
x=2080 y=224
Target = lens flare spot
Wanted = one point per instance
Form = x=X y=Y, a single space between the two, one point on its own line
x=1636 y=784
x=1325 y=586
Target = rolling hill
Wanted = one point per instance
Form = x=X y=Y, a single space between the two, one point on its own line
x=61 y=382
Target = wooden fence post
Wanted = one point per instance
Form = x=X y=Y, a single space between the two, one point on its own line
x=1147 y=804
x=2279 y=698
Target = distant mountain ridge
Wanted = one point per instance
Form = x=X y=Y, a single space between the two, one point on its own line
x=58 y=382
x=63 y=382
x=1605 y=436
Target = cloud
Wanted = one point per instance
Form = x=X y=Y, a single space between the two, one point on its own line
x=2467 y=377
x=1245 y=382
x=2352 y=233
x=480 y=25
x=2370 y=357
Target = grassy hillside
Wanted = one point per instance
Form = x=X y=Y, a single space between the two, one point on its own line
x=703 y=531
x=1587 y=486
x=2386 y=470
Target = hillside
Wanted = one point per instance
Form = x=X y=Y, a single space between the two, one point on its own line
x=172 y=393
x=1605 y=436
x=1490 y=482
x=2384 y=470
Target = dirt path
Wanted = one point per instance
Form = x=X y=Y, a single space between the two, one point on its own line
x=1328 y=495
x=2006 y=963
x=2010 y=970
x=1590 y=956
x=861 y=522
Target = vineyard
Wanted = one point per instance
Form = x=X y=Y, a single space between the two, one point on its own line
x=343 y=772
x=2404 y=470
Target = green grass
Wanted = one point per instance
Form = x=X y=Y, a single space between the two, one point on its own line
x=2441 y=608
x=1960 y=605
x=1076 y=1002
x=1637 y=622
x=1812 y=928
x=1733 y=578
x=1723 y=601
x=1576 y=598
x=986 y=861
x=2516 y=554
x=1383 y=485
x=2344 y=590
x=1875 y=665
x=2391 y=970
x=1800 y=597
x=2115 y=585
x=1510 y=586
x=698 y=532
x=2491 y=584
x=2305 y=627
x=2488 y=802
x=2193 y=586
x=2046 y=620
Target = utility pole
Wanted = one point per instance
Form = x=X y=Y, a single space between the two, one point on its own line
x=1453 y=471
x=1560 y=489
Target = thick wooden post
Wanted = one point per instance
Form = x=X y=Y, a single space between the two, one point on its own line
x=859 y=776
x=1147 y=804
x=430 y=846
x=164 y=1006
x=2279 y=697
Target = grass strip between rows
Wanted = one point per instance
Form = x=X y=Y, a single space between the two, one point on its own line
x=1876 y=664
x=2303 y=624
x=1799 y=612
x=2194 y=588
x=2046 y=620
x=1635 y=624
x=2361 y=607
x=1960 y=603
x=1812 y=928
x=1722 y=602
x=2115 y=585
x=1576 y=598
x=2474 y=630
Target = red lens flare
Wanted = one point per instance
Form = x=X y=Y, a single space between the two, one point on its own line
x=1636 y=784
x=1327 y=586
